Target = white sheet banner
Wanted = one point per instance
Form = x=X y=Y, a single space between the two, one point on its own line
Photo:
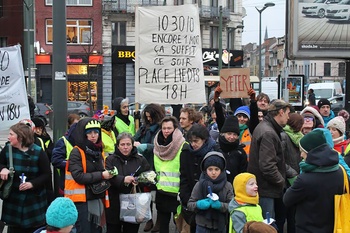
x=14 y=100
x=168 y=64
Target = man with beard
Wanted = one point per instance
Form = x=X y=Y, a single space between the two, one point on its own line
x=266 y=160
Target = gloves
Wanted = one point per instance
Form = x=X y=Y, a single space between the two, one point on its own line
x=204 y=204
x=251 y=93
x=291 y=180
x=217 y=93
x=141 y=148
x=216 y=205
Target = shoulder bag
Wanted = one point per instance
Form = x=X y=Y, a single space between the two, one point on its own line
x=341 y=208
x=6 y=185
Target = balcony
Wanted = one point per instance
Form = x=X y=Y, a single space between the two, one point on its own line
x=129 y=6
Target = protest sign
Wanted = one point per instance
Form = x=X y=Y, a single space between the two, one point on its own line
x=235 y=83
x=168 y=63
x=14 y=100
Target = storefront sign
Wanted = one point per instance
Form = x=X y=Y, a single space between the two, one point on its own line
x=13 y=101
x=43 y=59
x=123 y=54
x=234 y=57
x=169 y=67
x=77 y=59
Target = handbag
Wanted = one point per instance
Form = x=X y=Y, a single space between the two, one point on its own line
x=100 y=187
x=135 y=207
x=6 y=185
x=341 y=208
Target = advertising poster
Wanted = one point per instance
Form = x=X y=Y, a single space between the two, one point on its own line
x=318 y=28
x=168 y=58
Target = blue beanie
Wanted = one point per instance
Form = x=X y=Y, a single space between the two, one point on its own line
x=243 y=109
x=61 y=213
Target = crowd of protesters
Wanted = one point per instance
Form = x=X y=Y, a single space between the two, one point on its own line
x=217 y=170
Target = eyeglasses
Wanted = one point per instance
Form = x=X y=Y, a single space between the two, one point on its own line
x=308 y=119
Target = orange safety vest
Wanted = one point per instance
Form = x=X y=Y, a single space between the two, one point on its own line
x=74 y=191
x=246 y=140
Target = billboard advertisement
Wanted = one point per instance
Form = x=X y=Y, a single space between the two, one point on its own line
x=318 y=29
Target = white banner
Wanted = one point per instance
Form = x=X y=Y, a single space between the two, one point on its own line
x=168 y=64
x=14 y=101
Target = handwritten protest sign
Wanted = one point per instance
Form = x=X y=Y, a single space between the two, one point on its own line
x=168 y=64
x=13 y=101
x=235 y=83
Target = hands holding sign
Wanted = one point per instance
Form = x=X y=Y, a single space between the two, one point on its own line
x=217 y=93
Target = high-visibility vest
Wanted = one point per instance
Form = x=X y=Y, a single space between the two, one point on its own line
x=168 y=173
x=252 y=213
x=75 y=191
x=246 y=140
x=69 y=148
x=122 y=127
x=109 y=141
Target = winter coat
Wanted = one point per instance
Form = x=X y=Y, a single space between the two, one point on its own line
x=94 y=160
x=211 y=218
x=266 y=159
x=291 y=154
x=26 y=209
x=126 y=166
x=312 y=193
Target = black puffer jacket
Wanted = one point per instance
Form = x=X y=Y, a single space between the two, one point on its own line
x=126 y=166
x=94 y=160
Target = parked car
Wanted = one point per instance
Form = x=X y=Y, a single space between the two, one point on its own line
x=318 y=8
x=78 y=107
x=337 y=103
x=339 y=12
x=42 y=111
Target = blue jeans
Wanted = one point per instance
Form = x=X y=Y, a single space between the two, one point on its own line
x=267 y=205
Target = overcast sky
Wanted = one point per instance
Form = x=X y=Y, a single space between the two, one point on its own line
x=272 y=17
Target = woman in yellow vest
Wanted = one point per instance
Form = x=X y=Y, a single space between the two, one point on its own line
x=123 y=121
x=108 y=137
x=85 y=167
x=168 y=145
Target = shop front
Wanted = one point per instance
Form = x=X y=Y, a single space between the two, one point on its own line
x=83 y=73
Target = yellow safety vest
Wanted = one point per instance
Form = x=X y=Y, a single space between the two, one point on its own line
x=109 y=141
x=122 y=127
x=168 y=173
x=252 y=213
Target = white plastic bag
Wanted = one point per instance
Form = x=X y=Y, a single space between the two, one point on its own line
x=135 y=207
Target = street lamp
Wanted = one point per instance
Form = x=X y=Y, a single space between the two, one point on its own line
x=228 y=41
x=268 y=4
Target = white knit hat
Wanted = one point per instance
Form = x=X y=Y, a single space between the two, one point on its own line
x=338 y=123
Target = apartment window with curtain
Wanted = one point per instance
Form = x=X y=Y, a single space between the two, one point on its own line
x=119 y=33
x=78 y=32
x=73 y=2
x=214 y=37
x=1 y=8
x=230 y=5
x=327 y=69
x=341 y=69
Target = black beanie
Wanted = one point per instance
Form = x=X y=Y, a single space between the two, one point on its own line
x=214 y=160
x=38 y=122
x=230 y=125
x=322 y=102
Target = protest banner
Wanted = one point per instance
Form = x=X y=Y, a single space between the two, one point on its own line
x=235 y=82
x=168 y=62
x=14 y=100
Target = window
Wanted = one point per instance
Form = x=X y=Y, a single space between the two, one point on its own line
x=214 y=3
x=214 y=37
x=230 y=5
x=73 y=2
x=119 y=33
x=1 y=8
x=341 y=69
x=178 y=2
x=78 y=31
x=327 y=69
x=199 y=2
x=3 y=42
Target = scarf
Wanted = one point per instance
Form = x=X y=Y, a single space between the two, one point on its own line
x=306 y=167
x=124 y=118
x=227 y=146
x=217 y=187
x=294 y=136
x=96 y=213
x=242 y=127
x=206 y=147
x=338 y=140
x=167 y=151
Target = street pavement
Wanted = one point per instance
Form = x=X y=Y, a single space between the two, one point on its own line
x=3 y=140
